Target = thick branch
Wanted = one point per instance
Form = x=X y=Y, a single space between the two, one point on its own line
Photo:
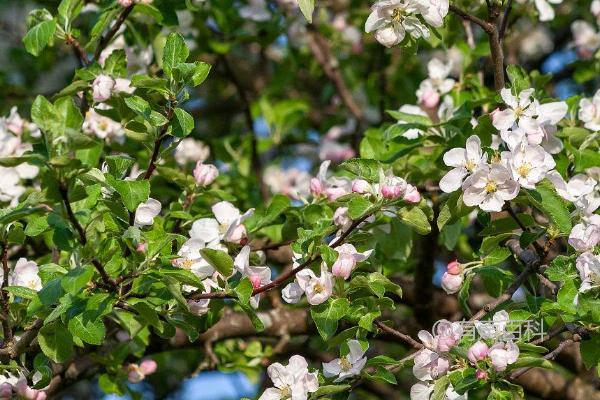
x=256 y=161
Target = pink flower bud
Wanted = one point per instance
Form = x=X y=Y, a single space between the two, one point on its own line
x=102 y=88
x=481 y=375
x=412 y=195
x=205 y=174
x=41 y=395
x=494 y=114
x=148 y=367
x=141 y=248
x=430 y=98
x=334 y=193
x=316 y=187
x=393 y=188
x=23 y=390
x=5 y=391
x=478 y=351
x=343 y=266
x=255 y=280
x=454 y=268
x=125 y=3
x=134 y=375
x=451 y=283
x=360 y=186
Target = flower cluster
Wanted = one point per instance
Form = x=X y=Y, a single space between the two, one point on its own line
x=293 y=381
x=526 y=128
x=13 y=130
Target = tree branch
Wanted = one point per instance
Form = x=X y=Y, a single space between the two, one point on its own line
x=531 y=261
x=5 y=311
x=486 y=26
x=286 y=275
x=403 y=337
x=504 y=23
x=105 y=40
x=256 y=161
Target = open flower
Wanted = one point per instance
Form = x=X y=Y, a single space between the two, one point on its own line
x=292 y=381
x=489 y=187
x=424 y=390
x=545 y=10
x=26 y=274
x=145 y=212
x=586 y=235
x=465 y=162
x=227 y=224
x=429 y=365
x=586 y=38
x=503 y=354
x=446 y=335
x=588 y=265
x=589 y=112
x=191 y=259
x=529 y=164
x=317 y=288
x=391 y=19
x=495 y=329
x=346 y=366
x=347 y=259
x=332 y=187
x=102 y=88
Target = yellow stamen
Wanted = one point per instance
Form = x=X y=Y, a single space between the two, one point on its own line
x=187 y=263
x=491 y=187
x=318 y=288
x=524 y=170
x=345 y=364
x=397 y=15
x=470 y=165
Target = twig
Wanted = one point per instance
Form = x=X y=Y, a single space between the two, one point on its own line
x=550 y=356
x=79 y=51
x=256 y=161
x=105 y=40
x=486 y=26
x=505 y=19
x=286 y=275
x=403 y=337
x=64 y=192
x=531 y=262
x=272 y=246
x=322 y=53
x=6 y=331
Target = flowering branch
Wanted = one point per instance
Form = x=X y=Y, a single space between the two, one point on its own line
x=403 y=337
x=286 y=275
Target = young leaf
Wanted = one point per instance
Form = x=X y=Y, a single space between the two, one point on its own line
x=39 y=36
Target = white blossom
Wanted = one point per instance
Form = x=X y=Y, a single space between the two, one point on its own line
x=227 y=224
x=529 y=164
x=585 y=38
x=26 y=274
x=429 y=365
x=489 y=187
x=103 y=127
x=292 y=381
x=145 y=212
x=465 y=162
x=347 y=259
x=191 y=150
x=424 y=390
x=503 y=354
x=494 y=329
x=256 y=10
x=588 y=265
x=391 y=19
x=346 y=366
x=589 y=112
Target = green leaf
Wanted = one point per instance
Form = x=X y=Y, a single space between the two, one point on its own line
x=279 y=204
x=39 y=36
x=590 y=351
x=358 y=206
x=21 y=291
x=545 y=198
x=307 y=7
x=452 y=210
x=174 y=53
x=182 y=123
x=415 y=217
x=496 y=256
x=363 y=167
x=561 y=269
x=77 y=279
x=530 y=361
x=201 y=71
x=133 y=193
x=327 y=315
x=439 y=389
x=88 y=328
x=220 y=260
x=331 y=389
x=56 y=341
x=244 y=290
